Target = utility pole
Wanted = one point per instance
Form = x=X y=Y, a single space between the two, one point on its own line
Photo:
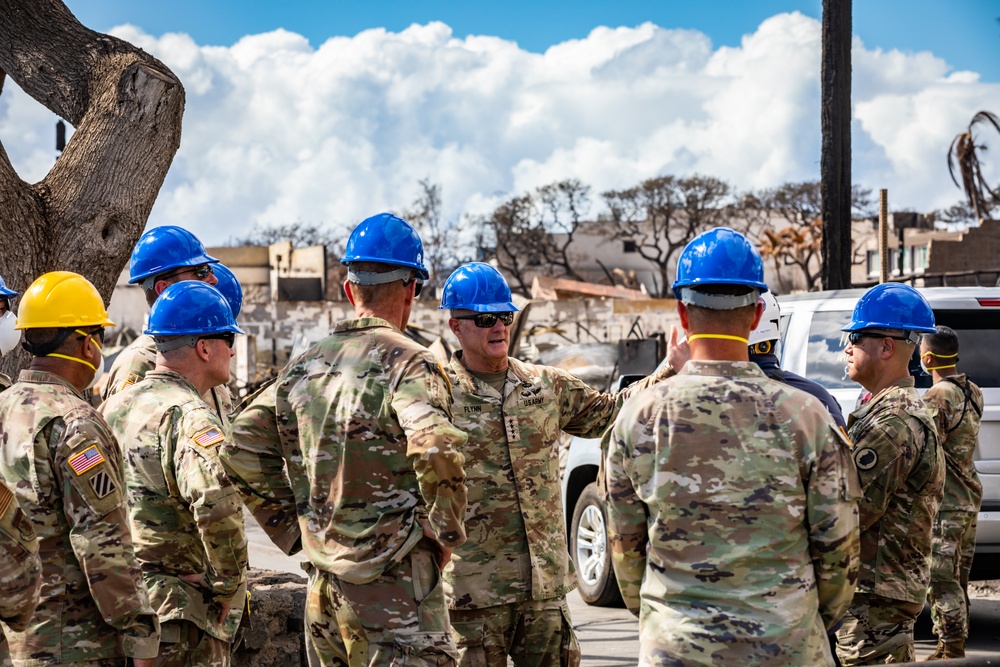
x=835 y=163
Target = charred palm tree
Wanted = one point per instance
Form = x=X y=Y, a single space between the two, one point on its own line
x=963 y=151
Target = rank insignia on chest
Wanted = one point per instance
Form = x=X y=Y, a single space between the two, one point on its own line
x=209 y=437
x=513 y=432
x=85 y=460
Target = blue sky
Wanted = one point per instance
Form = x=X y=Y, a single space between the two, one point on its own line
x=963 y=32
x=327 y=112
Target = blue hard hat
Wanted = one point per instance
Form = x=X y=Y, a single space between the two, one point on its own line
x=386 y=239
x=191 y=308
x=164 y=248
x=720 y=256
x=892 y=306
x=478 y=287
x=230 y=288
x=6 y=291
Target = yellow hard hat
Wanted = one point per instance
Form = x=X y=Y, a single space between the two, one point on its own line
x=61 y=299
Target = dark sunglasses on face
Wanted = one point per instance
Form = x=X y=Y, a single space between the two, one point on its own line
x=200 y=272
x=98 y=333
x=855 y=336
x=230 y=338
x=488 y=320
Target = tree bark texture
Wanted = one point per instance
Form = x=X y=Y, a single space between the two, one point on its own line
x=90 y=209
x=835 y=167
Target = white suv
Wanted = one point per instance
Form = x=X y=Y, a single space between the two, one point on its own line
x=813 y=346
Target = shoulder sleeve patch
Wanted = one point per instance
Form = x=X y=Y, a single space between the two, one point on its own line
x=85 y=460
x=208 y=437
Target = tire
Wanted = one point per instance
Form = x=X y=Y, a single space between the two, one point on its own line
x=590 y=552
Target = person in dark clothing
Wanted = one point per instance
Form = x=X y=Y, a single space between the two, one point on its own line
x=764 y=340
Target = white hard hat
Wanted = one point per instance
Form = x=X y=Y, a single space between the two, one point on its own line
x=767 y=328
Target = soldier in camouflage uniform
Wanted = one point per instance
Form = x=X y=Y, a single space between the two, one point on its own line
x=164 y=256
x=902 y=472
x=362 y=422
x=20 y=567
x=732 y=498
x=186 y=516
x=64 y=466
x=507 y=584
x=955 y=404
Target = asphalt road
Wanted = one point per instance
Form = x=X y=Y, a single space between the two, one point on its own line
x=610 y=637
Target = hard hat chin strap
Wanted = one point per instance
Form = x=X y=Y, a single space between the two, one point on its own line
x=76 y=359
x=692 y=297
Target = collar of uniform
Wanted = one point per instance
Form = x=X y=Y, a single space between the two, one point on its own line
x=45 y=377
x=465 y=378
x=722 y=368
x=902 y=383
x=170 y=376
x=361 y=323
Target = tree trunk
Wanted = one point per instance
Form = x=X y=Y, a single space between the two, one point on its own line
x=835 y=168
x=90 y=209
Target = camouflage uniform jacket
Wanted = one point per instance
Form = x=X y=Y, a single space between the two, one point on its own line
x=20 y=567
x=362 y=421
x=902 y=475
x=139 y=358
x=516 y=548
x=64 y=466
x=957 y=425
x=186 y=516
x=732 y=502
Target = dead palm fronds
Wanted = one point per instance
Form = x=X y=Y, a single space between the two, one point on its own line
x=963 y=151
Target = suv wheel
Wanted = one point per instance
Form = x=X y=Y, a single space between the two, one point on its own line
x=591 y=554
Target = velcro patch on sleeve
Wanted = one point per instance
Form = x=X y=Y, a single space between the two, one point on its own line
x=208 y=437
x=129 y=381
x=85 y=460
x=102 y=483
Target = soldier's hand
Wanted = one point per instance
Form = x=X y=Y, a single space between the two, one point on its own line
x=443 y=556
x=194 y=579
x=677 y=353
x=199 y=581
x=226 y=606
x=144 y=662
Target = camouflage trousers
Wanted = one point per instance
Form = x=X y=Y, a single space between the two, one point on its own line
x=877 y=631
x=952 y=547
x=184 y=644
x=534 y=633
x=400 y=618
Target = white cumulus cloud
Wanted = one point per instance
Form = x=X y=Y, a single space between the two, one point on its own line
x=277 y=131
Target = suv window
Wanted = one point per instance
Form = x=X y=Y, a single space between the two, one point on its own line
x=977 y=332
x=826 y=362
x=977 y=339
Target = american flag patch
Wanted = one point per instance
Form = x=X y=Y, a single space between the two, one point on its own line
x=85 y=460
x=209 y=437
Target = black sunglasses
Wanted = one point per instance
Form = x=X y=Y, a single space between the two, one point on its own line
x=99 y=332
x=200 y=272
x=488 y=320
x=230 y=338
x=417 y=289
x=855 y=336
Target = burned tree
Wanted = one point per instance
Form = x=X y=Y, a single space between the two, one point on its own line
x=661 y=215
x=533 y=233
x=89 y=210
